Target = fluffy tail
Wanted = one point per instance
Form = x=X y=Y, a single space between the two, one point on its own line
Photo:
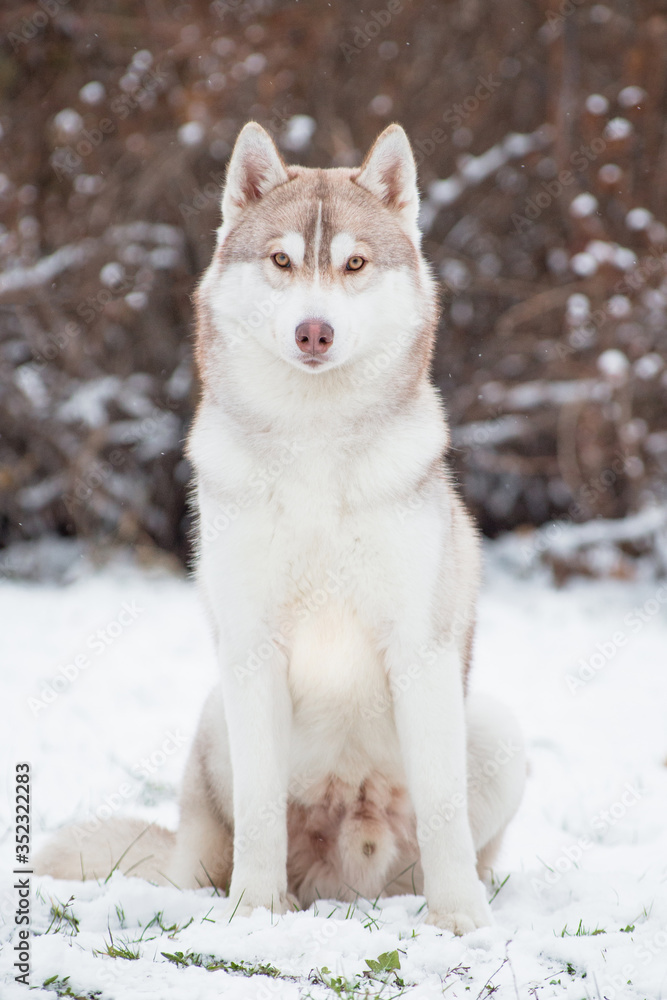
x=130 y=846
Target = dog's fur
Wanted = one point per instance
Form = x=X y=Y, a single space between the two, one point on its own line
x=339 y=754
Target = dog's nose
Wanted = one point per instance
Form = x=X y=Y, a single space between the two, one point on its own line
x=314 y=337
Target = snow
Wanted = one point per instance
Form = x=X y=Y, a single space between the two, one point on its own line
x=475 y=169
x=583 y=667
x=255 y=63
x=566 y=539
x=600 y=14
x=88 y=402
x=142 y=59
x=137 y=300
x=31 y=384
x=46 y=269
x=558 y=260
x=597 y=104
x=163 y=258
x=381 y=104
x=129 y=81
x=148 y=232
x=112 y=274
x=88 y=183
x=530 y=395
x=578 y=308
x=631 y=96
x=43 y=492
x=649 y=366
x=613 y=364
x=618 y=128
x=455 y=273
x=191 y=134
x=488 y=433
x=639 y=218
x=68 y=121
x=619 y=306
x=584 y=204
x=584 y=264
x=216 y=82
x=610 y=173
x=446 y=191
x=299 y=130
x=603 y=252
x=93 y=92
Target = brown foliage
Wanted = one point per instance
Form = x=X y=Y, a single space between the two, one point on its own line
x=96 y=359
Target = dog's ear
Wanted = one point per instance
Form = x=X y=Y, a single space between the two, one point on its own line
x=389 y=173
x=255 y=167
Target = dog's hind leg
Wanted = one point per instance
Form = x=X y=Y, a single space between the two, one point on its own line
x=203 y=853
x=496 y=774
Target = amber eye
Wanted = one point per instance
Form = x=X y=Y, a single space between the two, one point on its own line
x=281 y=260
x=355 y=263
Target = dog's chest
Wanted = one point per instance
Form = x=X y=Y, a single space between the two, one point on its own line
x=300 y=524
x=317 y=527
x=343 y=722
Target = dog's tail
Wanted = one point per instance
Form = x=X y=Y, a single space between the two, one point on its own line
x=130 y=846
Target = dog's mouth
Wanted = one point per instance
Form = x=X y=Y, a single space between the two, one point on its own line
x=313 y=363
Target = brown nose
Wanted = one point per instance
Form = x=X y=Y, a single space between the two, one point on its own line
x=314 y=336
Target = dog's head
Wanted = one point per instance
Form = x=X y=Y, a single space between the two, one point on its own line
x=321 y=268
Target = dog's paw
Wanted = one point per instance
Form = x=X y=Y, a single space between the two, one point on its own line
x=242 y=904
x=461 y=919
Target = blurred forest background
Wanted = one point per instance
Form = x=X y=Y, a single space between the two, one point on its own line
x=540 y=131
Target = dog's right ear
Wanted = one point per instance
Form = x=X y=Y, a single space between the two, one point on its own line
x=255 y=167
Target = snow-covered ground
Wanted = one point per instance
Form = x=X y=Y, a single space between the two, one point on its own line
x=581 y=887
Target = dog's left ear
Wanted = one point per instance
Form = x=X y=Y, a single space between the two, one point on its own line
x=389 y=173
x=255 y=168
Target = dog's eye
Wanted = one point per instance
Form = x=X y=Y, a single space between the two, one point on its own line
x=355 y=263
x=281 y=260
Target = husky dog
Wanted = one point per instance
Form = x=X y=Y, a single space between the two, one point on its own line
x=340 y=754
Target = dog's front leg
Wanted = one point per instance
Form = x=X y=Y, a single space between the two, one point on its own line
x=430 y=720
x=258 y=712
